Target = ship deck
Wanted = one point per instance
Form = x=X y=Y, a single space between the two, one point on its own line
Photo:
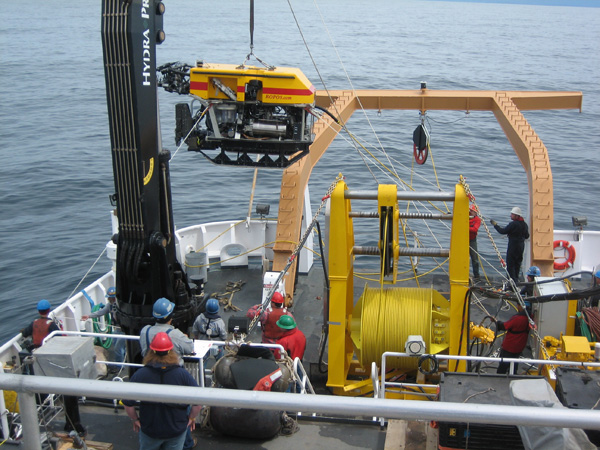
x=111 y=425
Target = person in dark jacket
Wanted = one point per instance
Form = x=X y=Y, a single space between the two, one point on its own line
x=515 y=339
x=532 y=272
x=42 y=326
x=162 y=425
x=517 y=231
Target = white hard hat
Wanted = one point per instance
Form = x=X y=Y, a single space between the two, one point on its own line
x=516 y=210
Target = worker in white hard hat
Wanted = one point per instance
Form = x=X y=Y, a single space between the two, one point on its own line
x=517 y=231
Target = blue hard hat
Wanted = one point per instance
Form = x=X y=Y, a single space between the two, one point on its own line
x=111 y=292
x=212 y=306
x=534 y=271
x=597 y=274
x=43 y=305
x=527 y=306
x=162 y=308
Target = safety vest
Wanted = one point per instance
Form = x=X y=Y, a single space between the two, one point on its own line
x=270 y=328
x=40 y=331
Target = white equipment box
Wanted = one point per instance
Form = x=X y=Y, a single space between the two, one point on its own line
x=67 y=357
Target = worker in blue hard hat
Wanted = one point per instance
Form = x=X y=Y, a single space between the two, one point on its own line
x=118 y=346
x=532 y=272
x=42 y=326
x=210 y=326
x=163 y=313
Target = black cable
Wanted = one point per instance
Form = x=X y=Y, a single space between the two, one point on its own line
x=434 y=364
x=328 y=113
x=462 y=328
x=326 y=308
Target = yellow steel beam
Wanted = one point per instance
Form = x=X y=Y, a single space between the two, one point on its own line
x=532 y=155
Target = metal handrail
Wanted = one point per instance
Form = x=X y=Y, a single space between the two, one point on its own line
x=581 y=364
x=28 y=385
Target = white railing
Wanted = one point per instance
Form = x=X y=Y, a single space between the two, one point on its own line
x=28 y=385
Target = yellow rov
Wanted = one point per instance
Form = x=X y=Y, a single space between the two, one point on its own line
x=244 y=111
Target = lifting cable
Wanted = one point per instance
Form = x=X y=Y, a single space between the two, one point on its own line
x=268 y=66
x=293 y=256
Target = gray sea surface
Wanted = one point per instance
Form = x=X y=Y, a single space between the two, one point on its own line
x=56 y=170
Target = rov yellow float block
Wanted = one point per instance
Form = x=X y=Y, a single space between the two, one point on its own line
x=281 y=85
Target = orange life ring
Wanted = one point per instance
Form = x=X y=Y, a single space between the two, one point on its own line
x=570 y=259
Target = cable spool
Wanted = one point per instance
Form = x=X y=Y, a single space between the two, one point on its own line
x=383 y=320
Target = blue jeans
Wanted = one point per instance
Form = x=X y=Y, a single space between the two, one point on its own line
x=188 y=443
x=149 y=443
x=119 y=346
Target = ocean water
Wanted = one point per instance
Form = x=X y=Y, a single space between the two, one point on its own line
x=56 y=172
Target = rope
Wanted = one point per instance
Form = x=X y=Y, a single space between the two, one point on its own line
x=293 y=256
x=516 y=291
x=87 y=273
x=388 y=318
x=592 y=318
x=103 y=342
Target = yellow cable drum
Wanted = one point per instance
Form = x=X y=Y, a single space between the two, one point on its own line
x=383 y=319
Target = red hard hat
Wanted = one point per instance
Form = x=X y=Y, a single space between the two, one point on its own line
x=161 y=342
x=277 y=298
x=473 y=208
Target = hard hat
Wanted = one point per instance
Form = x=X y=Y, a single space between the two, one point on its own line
x=286 y=322
x=597 y=274
x=111 y=292
x=43 y=305
x=277 y=298
x=473 y=208
x=161 y=342
x=517 y=211
x=527 y=306
x=212 y=306
x=534 y=271
x=162 y=308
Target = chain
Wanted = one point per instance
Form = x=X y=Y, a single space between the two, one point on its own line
x=463 y=182
x=532 y=324
x=293 y=256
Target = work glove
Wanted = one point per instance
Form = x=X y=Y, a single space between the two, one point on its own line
x=493 y=222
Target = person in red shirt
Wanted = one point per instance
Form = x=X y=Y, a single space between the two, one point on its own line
x=515 y=339
x=292 y=340
x=474 y=224
x=269 y=317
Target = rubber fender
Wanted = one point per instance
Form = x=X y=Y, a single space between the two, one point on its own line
x=224 y=376
x=246 y=423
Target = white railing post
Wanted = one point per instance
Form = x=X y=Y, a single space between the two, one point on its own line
x=29 y=420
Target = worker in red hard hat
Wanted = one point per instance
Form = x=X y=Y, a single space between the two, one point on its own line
x=269 y=317
x=162 y=425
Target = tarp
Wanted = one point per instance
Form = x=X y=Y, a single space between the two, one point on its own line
x=539 y=393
